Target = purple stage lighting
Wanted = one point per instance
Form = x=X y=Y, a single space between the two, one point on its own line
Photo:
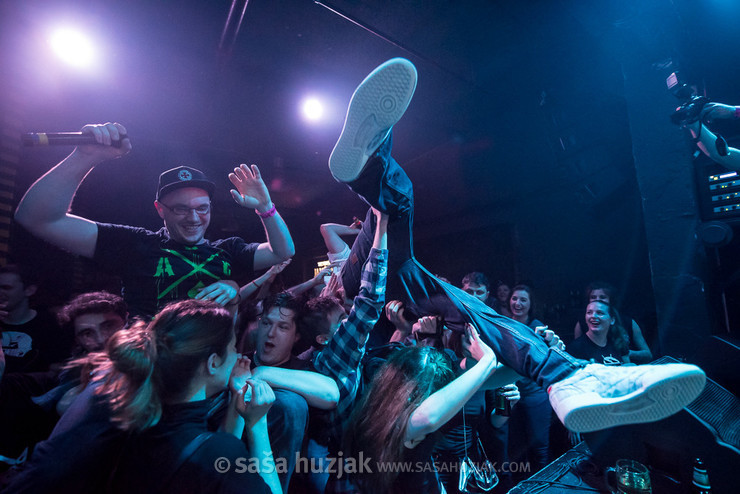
x=313 y=109
x=73 y=47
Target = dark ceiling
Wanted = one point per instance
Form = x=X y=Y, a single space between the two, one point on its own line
x=519 y=117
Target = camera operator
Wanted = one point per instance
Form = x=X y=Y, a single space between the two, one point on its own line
x=711 y=144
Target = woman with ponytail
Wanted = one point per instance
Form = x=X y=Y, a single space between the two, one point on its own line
x=141 y=424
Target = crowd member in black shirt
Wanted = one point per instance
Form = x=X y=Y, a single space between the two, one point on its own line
x=605 y=342
x=141 y=425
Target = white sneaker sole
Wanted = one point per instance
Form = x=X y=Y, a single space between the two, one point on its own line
x=589 y=412
x=376 y=105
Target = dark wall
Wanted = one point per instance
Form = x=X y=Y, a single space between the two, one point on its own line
x=521 y=141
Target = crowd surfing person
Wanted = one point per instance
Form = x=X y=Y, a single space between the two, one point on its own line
x=141 y=424
x=586 y=397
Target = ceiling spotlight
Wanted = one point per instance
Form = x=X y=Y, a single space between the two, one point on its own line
x=313 y=110
x=73 y=47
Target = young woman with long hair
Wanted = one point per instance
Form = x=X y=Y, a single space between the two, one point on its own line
x=639 y=351
x=606 y=340
x=409 y=399
x=141 y=424
x=529 y=426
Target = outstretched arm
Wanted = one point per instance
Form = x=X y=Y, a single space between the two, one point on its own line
x=394 y=311
x=706 y=139
x=642 y=354
x=262 y=284
x=331 y=232
x=319 y=390
x=44 y=209
x=342 y=357
x=444 y=404
x=253 y=402
x=317 y=280
x=251 y=192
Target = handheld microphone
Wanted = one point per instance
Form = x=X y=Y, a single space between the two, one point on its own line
x=63 y=139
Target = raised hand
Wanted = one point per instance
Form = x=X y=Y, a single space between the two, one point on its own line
x=254 y=407
x=552 y=339
x=105 y=136
x=332 y=287
x=240 y=374
x=278 y=268
x=394 y=312
x=425 y=327
x=474 y=347
x=251 y=191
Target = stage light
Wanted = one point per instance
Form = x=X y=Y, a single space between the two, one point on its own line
x=73 y=47
x=313 y=110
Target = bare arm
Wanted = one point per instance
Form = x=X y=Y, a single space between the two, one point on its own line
x=233 y=422
x=279 y=246
x=394 y=312
x=319 y=390
x=251 y=192
x=313 y=282
x=44 y=209
x=253 y=410
x=331 y=233
x=707 y=145
x=444 y=404
x=643 y=354
x=577 y=332
x=264 y=281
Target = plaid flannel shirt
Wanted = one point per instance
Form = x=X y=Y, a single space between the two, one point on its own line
x=342 y=357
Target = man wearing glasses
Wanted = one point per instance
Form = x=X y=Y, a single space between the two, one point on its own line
x=174 y=263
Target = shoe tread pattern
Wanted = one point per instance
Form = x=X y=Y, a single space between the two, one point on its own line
x=657 y=401
x=377 y=104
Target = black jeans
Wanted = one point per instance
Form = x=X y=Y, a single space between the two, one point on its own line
x=385 y=186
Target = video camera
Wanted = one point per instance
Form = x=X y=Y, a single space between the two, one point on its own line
x=690 y=109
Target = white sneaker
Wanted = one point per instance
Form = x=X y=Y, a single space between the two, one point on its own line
x=376 y=105
x=598 y=397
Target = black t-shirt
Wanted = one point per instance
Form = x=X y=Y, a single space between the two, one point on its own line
x=586 y=349
x=32 y=346
x=87 y=453
x=78 y=456
x=156 y=270
x=153 y=461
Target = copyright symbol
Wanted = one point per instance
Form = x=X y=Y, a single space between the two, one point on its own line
x=222 y=465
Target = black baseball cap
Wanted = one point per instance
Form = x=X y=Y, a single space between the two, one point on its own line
x=183 y=176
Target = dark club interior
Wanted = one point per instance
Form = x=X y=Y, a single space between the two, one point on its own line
x=539 y=141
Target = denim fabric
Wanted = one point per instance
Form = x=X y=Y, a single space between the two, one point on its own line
x=384 y=185
x=529 y=429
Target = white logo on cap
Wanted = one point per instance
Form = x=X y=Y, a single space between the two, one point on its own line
x=184 y=175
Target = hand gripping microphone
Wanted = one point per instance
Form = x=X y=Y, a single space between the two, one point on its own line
x=63 y=139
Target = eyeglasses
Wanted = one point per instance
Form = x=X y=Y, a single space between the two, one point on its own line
x=184 y=210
